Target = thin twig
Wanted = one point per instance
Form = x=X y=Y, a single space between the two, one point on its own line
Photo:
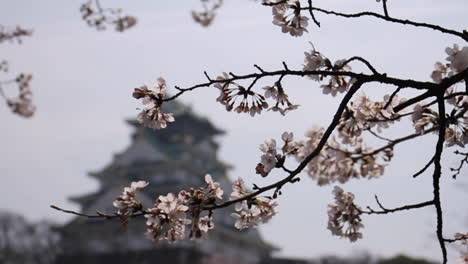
x=311 y=12
x=384 y=3
x=421 y=171
x=391 y=97
x=394 y=210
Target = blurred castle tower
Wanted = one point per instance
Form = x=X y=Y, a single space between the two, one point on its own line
x=170 y=159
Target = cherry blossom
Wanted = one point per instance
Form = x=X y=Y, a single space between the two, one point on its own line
x=214 y=189
x=250 y=102
x=167 y=219
x=255 y=211
x=282 y=105
x=344 y=216
x=288 y=17
x=23 y=105
x=98 y=17
x=152 y=116
x=458 y=58
x=314 y=61
x=127 y=202
x=338 y=84
x=463 y=237
x=268 y=159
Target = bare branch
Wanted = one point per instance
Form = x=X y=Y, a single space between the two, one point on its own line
x=384 y=210
x=438 y=173
x=394 y=20
x=421 y=171
x=384 y=3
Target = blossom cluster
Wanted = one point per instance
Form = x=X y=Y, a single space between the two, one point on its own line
x=271 y=158
x=315 y=61
x=253 y=211
x=23 y=104
x=11 y=34
x=457 y=61
x=151 y=116
x=333 y=163
x=456 y=134
x=364 y=114
x=425 y=119
x=277 y=93
x=287 y=15
x=231 y=92
x=170 y=214
x=127 y=203
x=206 y=17
x=99 y=17
x=344 y=216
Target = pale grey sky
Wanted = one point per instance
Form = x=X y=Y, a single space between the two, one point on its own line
x=82 y=87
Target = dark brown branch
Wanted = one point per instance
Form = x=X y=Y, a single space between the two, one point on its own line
x=381 y=78
x=394 y=210
x=384 y=3
x=366 y=62
x=311 y=12
x=378 y=136
x=421 y=171
x=97 y=215
x=438 y=173
x=462 y=35
x=445 y=84
x=451 y=240
x=391 y=97
x=397 y=141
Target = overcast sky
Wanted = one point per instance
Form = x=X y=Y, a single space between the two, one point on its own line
x=83 y=80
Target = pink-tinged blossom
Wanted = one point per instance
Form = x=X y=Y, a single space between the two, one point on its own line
x=457 y=61
x=268 y=159
x=440 y=72
x=458 y=58
x=338 y=83
x=344 y=216
x=214 y=189
x=232 y=93
x=23 y=105
x=371 y=113
x=204 y=225
x=314 y=61
x=271 y=92
x=423 y=118
x=259 y=210
x=289 y=147
x=152 y=116
x=337 y=163
x=239 y=191
x=288 y=17
x=283 y=104
x=463 y=240
x=127 y=202
x=167 y=219
x=456 y=136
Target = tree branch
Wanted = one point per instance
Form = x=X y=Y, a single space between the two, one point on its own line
x=394 y=210
x=462 y=35
x=438 y=173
